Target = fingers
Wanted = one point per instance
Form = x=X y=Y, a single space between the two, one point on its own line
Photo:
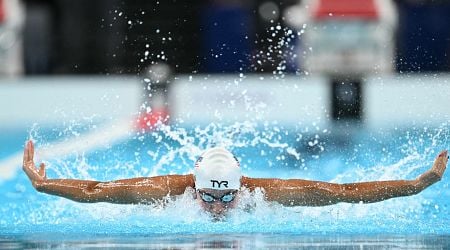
x=31 y=171
x=31 y=151
x=42 y=170
x=28 y=165
x=34 y=174
x=28 y=151
x=25 y=153
x=443 y=157
x=440 y=163
x=437 y=170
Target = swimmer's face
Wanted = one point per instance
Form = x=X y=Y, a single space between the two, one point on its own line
x=217 y=202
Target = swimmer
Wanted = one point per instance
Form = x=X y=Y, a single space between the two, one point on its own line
x=217 y=182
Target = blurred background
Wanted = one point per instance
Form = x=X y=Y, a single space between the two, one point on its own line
x=348 y=44
x=122 y=37
x=321 y=62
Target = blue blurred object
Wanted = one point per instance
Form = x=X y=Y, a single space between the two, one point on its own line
x=226 y=42
x=423 y=37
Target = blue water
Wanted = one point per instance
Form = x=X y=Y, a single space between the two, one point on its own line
x=336 y=155
x=226 y=241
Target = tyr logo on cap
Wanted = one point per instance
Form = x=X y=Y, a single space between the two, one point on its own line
x=219 y=183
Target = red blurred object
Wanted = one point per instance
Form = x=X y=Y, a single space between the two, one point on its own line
x=148 y=121
x=346 y=9
x=2 y=11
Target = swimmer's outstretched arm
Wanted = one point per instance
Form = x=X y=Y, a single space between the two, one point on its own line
x=296 y=192
x=127 y=191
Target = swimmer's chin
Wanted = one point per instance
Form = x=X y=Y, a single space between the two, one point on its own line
x=218 y=217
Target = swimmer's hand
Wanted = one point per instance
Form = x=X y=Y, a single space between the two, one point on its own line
x=435 y=173
x=36 y=176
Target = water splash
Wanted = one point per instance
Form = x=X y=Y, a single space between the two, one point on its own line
x=379 y=155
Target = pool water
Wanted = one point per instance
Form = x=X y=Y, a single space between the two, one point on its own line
x=29 y=219
x=225 y=241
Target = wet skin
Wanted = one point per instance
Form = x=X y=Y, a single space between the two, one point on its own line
x=288 y=192
x=217 y=208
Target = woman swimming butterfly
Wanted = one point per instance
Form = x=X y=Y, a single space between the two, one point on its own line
x=217 y=181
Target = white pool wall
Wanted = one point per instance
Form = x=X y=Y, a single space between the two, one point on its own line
x=258 y=98
x=407 y=100
x=55 y=100
x=391 y=100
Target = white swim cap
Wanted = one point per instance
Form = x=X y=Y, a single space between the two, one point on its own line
x=217 y=168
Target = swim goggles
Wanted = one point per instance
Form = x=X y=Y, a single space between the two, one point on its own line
x=209 y=198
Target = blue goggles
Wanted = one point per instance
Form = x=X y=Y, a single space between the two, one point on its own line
x=209 y=198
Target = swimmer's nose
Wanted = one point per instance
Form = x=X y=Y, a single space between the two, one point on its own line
x=218 y=208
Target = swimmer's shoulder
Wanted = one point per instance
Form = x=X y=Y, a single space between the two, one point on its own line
x=252 y=183
x=181 y=181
